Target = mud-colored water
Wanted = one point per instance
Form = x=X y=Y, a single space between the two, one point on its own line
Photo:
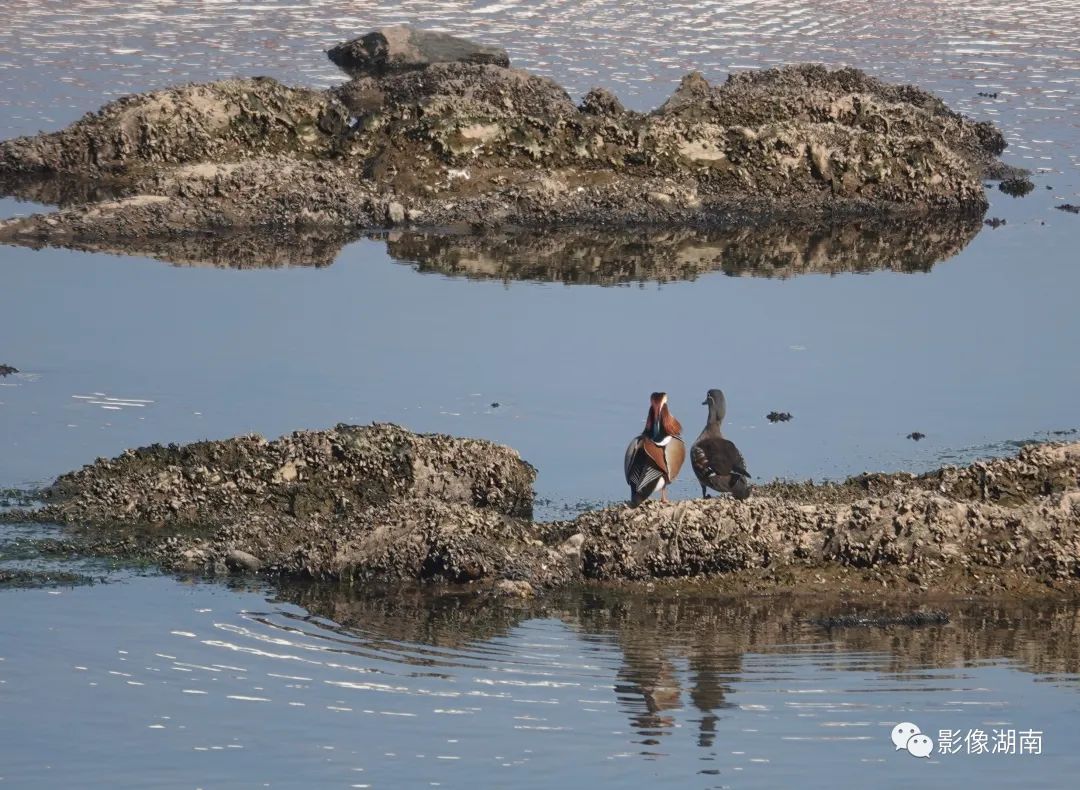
x=968 y=341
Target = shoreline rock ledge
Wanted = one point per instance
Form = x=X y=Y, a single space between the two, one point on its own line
x=432 y=131
x=381 y=504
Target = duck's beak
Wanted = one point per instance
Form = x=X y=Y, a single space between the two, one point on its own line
x=705 y=402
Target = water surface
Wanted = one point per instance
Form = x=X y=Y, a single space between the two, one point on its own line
x=320 y=688
x=964 y=335
x=864 y=349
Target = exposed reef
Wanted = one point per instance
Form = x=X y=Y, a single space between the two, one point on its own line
x=434 y=131
x=382 y=504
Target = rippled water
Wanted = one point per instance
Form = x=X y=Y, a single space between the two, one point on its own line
x=962 y=333
x=317 y=688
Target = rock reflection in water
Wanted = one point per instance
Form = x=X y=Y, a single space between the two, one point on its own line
x=568 y=255
x=60 y=190
x=265 y=249
x=689 y=651
x=781 y=249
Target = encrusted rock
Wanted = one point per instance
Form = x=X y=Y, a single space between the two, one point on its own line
x=395 y=213
x=303 y=475
x=211 y=123
x=383 y=504
x=514 y=589
x=242 y=561
x=601 y=101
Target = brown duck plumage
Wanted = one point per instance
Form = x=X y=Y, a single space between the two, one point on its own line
x=654 y=457
x=717 y=462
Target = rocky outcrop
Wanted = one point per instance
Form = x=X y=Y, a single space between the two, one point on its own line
x=212 y=123
x=438 y=141
x=382 y=504
x=307 y=474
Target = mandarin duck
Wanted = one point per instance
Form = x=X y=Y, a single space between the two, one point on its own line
x=655 y=456
x=717 y=462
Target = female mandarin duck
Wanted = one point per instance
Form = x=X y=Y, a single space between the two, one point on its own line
x=717 y=462
x=654 y=457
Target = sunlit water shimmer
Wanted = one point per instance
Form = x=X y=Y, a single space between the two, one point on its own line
x=967 y=338
x=315 y=688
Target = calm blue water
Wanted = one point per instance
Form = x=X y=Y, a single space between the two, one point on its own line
x=157 y=681
x=964 y=354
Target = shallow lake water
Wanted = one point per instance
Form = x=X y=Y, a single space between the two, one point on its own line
x=310 y=687
x=959 y=331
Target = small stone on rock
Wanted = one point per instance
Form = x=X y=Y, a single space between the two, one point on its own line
x=238 y=560
x=402 y=47
x=395 y=213
x=600 y=101
x=514 y=589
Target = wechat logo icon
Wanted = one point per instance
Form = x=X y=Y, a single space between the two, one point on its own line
x=909 y=737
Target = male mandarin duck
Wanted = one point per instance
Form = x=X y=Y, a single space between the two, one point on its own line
x=717 y=462
x=654 y=457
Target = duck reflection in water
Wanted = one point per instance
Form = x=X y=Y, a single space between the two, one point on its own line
x=653 y=676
